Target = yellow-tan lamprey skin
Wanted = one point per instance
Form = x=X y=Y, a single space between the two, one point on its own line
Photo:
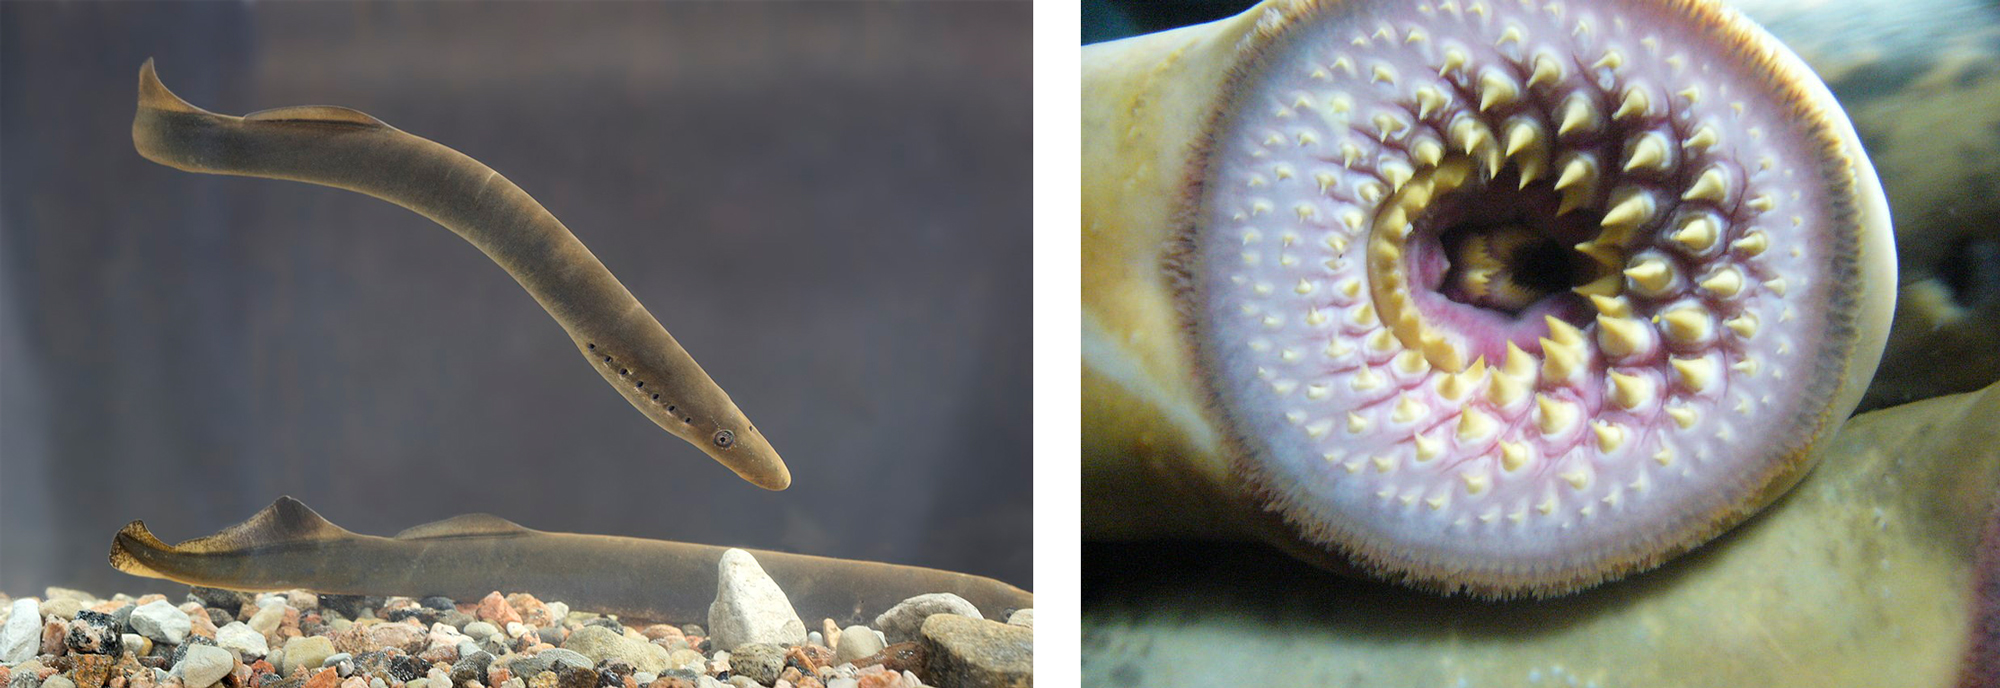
x=1500 y=297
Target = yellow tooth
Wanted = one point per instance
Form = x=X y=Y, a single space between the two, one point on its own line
x=1504 y=390
x=1612 y=60
x=1687 y=324
x=1620 y=336
x=1697 y=234
x=1683 y=416
x=1511 y=34
x=1474 y=424
x=1629 y=391
x=1651 y=275
x=1470 y=134
x=1776 y=285
x=1497 y=88
x=1453 y=60
x=1725 y=282
x=1760 y=203
x=1365 y=380
x=1563 y=332
x=1697 y=373
x=1319 y=429
x=1703 y=138
x=1650 y=151
x=1519 y=365
x=1614 y=306
x=1428 y=152
x=1747 y=366
x=1547 y=70
x=1665 y=456
x=1397 y=173
x=1442 y=354
x=1387 y=125
x=1384 y=464
x=1751 y=244
x=1411 y=362
x=1577 y=478
x=1356 y=423
x=1407 y=410
x=1606 y=255
x=1436 y=503
x=1635 y=104
x=1635 y=210
x=1303 y=287
x=1546 y=507
x=1559 y=362
x=1711 y=186
x=1608 y=285
x=1382 y=341
x=1429 y=100
x=1522 y=134
x=1609 y=437
x=1382 y=74
x=1744 y=325
x=1577 y=115
x=1513 y=456
x=1428 y=447
x=1475 y=483
x=1316 y=391
x=1578 y=172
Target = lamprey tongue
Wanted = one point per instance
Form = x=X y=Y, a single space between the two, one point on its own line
x=1514 y=297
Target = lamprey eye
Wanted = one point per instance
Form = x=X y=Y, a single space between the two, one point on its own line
x=725 y=439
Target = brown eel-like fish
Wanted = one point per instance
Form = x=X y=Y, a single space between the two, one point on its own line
x=348 y=149
x=289 y=546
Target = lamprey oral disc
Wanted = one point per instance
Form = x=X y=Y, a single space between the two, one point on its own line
x=1583 y=220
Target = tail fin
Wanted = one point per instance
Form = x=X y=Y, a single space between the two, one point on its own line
x=136 y=538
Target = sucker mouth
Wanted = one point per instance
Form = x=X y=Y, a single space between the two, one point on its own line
x=1516 y=285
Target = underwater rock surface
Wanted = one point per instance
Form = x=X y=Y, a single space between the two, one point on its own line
x=1862 y=576
x=510 y=641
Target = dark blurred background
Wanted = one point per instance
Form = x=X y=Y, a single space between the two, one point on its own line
x=827 y=203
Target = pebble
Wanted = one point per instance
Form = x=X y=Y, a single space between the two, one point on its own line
x=246 y=641
x=162 y=621
x=266 y=620
x=64 y=609
x=758 y=661
x=94 y=633
x=311 y=653
x=600 y=644
x=749 y=607
x=57 y=681
x=404 y=636
x=965 y=652
x=480 y=630
x=203 y=666
x=903 y=621
x=21 y=636
x=856 y=642
x=136 y=644
x=494 y=608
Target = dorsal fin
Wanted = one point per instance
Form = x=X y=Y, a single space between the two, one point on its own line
x=462 y=526
x=286 y=521
x=317 y=114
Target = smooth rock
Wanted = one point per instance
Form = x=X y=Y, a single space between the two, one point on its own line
x=481 y=630
x=162 y=622
x=57 y=681
x=246 y=641
x=310 y=653
x=62 y=609
x=749 y=607
x=136 y=644
x=857 y=642
x=21 y=636
x=1023 y=617
x=600 y=643
x=266 y=620
x=758 y=661
x=965 y=652
x=204 y=665
x=903 y=621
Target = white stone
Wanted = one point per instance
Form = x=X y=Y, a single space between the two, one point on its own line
x=246 y=641
x=204 y=665
x=857 y=642
x=1022 y=617
x=903 y=621
x=21 y=636
x=749 y=607
x=161 y=621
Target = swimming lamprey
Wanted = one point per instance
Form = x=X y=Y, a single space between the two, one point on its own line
x=288 y=546
x=1501 y=297
x=346 y=149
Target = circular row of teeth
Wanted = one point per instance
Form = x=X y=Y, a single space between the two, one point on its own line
x=1664 y=334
